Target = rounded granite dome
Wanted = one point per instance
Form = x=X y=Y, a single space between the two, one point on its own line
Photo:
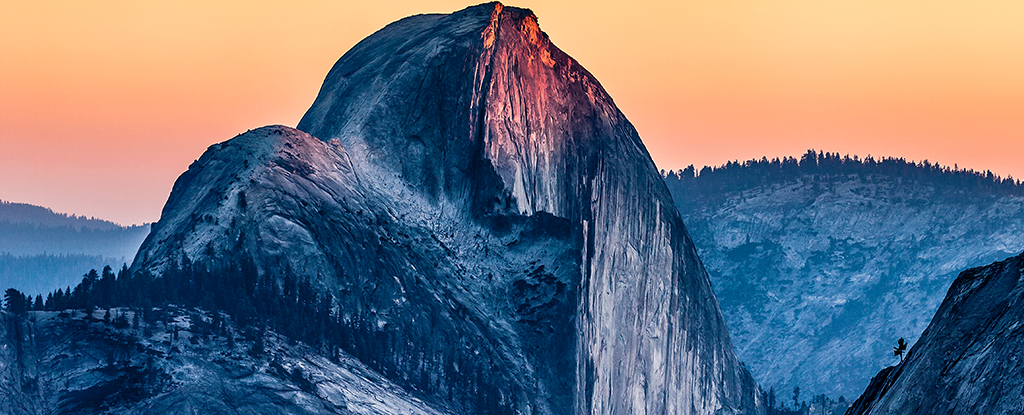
x=487 y=223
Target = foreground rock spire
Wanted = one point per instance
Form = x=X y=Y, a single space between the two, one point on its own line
x=492 y=232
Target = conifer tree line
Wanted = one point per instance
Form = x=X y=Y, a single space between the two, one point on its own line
x=820 y=404
x=292 y=307
x=257 y=301
x=711 y=182
x=96 y=290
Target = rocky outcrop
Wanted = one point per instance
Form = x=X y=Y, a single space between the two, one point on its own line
x=179 y=363
x=487 y=221
x=968 y=360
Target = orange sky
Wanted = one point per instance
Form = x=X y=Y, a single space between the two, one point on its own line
x=104 y=103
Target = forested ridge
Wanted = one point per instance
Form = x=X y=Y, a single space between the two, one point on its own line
x=712 y=183
x=35 y=274
x=238 y=290
x=823 y=249
x=255 y=301
x=41 y=250
x=36 y=239
x=25 y=213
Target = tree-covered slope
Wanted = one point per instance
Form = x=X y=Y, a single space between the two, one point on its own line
x=171 y=360
x=41 y=250
x=822 y=263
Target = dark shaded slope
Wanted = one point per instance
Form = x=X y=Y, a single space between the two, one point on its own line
x=969 y=359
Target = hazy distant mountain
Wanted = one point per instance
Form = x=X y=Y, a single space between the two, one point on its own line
x=38 y=215
x=32 y=239
x=39 y=274
x=969 y=359
x=41 y=250
x=822 y=263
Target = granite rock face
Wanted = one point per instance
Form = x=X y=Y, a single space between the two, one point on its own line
x=474 y=201
x=475 y=317
x=818 y=276
x=69 y=364
x=969 y=359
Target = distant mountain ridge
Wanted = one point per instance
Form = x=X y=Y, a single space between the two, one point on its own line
x=27 y=230
x=713 y=182
x=822 y=262
x=41 y=250
x=25 y=213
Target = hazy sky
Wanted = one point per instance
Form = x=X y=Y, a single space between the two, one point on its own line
x=104 y=103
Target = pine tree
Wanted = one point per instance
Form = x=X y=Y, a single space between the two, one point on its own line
x=14 y=302
x=901 y=346
x=121 y=322
x=218 y=322
x=257 y=345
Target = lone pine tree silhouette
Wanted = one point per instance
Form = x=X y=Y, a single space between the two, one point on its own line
x=901 y=346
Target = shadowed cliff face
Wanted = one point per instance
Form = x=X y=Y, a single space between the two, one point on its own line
x=969 y=358
x=482 y=211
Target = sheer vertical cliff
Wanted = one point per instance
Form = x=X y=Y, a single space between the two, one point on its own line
x=493 y=99
x=488 y=223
